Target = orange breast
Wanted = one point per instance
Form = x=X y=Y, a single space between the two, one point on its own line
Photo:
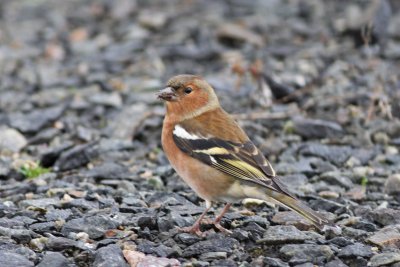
x=209 y=183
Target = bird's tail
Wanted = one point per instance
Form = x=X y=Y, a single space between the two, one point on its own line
x=296 y=205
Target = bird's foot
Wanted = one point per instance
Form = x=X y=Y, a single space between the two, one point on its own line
x=194 y=229
x=222 y=229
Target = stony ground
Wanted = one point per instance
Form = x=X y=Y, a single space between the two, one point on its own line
x=84 y=181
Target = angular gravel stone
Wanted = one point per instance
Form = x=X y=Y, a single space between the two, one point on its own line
x=53 y=259
x=11 y=140
x=224 y=244
x=35 y=120
x=8 y=259
x=312 y=128
x=109 y=256
x=384 y=259
x=297 y=254
x=355 y=250
x=283 y=235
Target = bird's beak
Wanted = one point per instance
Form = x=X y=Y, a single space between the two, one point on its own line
x=167 y=94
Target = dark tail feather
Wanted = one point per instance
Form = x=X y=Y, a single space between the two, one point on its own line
x=296 y=205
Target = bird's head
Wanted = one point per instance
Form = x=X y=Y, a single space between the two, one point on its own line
x=188 y=96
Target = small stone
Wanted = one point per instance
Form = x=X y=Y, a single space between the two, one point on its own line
x=187 y=239
x=13 y=259
x=336 y=263
x=107 y=99
x=233 y=33
x=355 y=250
x=313 y=128
x=11 y=140
x=60 y=243
x=283 y=234
x=328 y=194
x=108 y=170
x=109 y=256
x=386 y=216
x=95 y=226
x=152 y=20
x=36 y=120
x=392 y=184
x=210 y=256
x=291 y=218
x=73 y=158
x=42 y=203
x=224 y=244
x=384 y=259
x=301 y=253
x=388 y=236
x=158 y=261
x=53 y=259
x=274 y=262
x=335 y=178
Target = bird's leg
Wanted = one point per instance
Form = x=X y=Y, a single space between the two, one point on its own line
x=219 y=217
x=195 y=228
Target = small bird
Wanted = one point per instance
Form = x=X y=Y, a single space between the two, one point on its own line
x=214 y=156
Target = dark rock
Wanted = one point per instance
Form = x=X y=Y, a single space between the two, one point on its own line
x=53 y=259
x=109 y=256
x=42 y=227
x=340 y=241
x=312 y=128
x=161 y=250
x=108 y=170
x=43 y=203
x=13 y=259
x=335 y=154
x=147 y=221
x=385 y=216
x=94 y=226
x=60 y=243
x=20 y=235
x=355 y=250
x=44 y=136
x=187 y=239
x=50 y=156
x=73 y=158
x=336 y=178
x=224 y=244
x=210 y=256
x=283 y=235
x=336 y=263
x=316 y=254
x=36 y=119
x=274 y=262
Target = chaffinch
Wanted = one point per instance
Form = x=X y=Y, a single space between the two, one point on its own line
x=214 y=156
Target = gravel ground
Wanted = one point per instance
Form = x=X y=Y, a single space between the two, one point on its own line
x=84 y=181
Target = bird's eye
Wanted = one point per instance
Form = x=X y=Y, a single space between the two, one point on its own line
x=188 y=90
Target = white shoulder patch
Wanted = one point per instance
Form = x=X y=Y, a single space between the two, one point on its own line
x=182 y=133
